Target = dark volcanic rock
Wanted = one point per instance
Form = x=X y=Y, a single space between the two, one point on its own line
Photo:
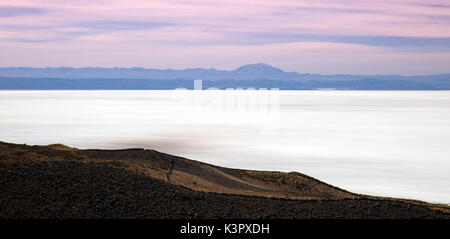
x=37 y=184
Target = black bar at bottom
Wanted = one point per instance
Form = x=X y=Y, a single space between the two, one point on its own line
x=231 y=229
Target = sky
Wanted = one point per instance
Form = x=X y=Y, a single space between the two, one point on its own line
x=407 y=37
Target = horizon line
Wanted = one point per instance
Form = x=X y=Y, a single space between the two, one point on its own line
x=212 y=68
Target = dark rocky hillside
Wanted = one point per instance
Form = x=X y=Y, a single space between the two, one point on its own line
x=61 y=182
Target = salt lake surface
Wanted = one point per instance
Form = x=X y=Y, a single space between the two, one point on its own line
x=387 y=143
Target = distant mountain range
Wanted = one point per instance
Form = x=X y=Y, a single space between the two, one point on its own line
x=258 y=75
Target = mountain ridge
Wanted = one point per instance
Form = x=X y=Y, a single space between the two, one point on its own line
x=259 y=75
x=258 y=68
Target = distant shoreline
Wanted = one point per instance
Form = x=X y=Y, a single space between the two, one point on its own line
x=7 y=83
x=258 y=75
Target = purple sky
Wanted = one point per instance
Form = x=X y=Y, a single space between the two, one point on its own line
x=319 y=36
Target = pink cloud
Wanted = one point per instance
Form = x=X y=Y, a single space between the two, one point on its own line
x=176 y=27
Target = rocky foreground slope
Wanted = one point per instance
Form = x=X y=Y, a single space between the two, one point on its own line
x=57 y=181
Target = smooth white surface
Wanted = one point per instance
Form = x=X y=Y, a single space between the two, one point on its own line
x=388 y=143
